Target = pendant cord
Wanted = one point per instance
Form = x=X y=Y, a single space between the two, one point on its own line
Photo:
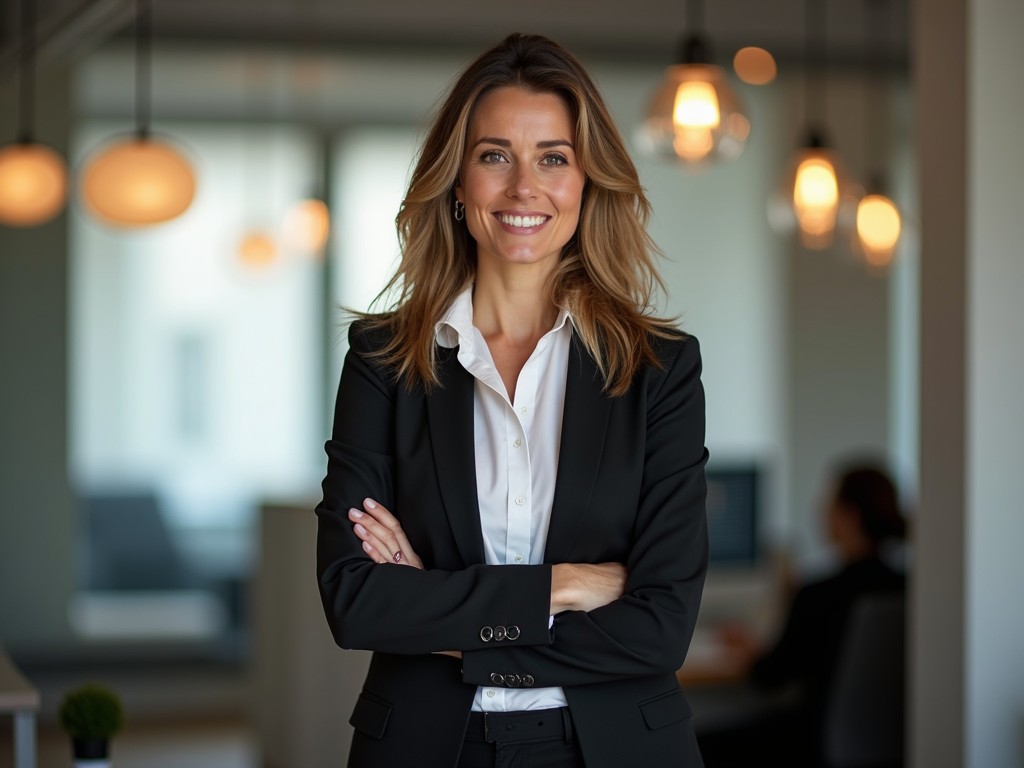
x=26 y=74
x=815 y=64
x=694 y=17
x=143 y=66
x=873 y=16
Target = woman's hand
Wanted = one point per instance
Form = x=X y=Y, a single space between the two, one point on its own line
x=584 y=586
x=382 y=535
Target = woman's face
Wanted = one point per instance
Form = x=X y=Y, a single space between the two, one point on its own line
x=520 y=181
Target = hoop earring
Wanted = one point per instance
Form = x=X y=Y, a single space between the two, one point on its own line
x=460 y=210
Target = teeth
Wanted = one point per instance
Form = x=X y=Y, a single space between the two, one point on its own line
x=523 y=221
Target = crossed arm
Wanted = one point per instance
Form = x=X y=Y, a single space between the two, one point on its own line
x=611 y=620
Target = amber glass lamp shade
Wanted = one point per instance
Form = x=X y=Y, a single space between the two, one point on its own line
x=33 y=184
x=257 y=249
x=878 y=229
x=307 y=226
x=138 y=182
x=695 y=116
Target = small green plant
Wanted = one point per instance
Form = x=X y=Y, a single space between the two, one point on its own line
x=92 y=713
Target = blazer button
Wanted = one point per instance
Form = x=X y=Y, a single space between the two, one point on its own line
x=499 y=633
x=497 y=679
x=486 y=634
x=528 y=680
x=512 y=633
x=513 y=681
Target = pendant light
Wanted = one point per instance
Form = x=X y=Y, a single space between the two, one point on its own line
x=307 y=225
x=33 y=177
x=878 y=219
x=695 y=116
x=140 y=180
x=814 y=187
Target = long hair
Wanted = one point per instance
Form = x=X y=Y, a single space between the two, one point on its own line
x=606 y=276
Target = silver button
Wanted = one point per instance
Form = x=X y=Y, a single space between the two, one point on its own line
x=519 y=558
x=499 y=633
x=528 y=680
x=497 y=679
x=513 y=681
x=512 y=632
x=486 y=634
x=516 y=443
x=490 y=693
x=520 y=501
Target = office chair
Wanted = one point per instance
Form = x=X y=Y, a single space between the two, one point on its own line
x=864 y=717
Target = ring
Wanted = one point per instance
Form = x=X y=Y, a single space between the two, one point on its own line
x=398 y=556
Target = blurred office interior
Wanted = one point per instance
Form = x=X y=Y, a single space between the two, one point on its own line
x=165 y=391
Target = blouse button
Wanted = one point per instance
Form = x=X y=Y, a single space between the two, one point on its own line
x=516 y=443
x=520 y=501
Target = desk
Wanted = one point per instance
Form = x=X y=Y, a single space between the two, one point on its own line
x=20 y=699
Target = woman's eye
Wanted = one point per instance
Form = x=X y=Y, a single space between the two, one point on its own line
x=492 y=157
x=554 y=160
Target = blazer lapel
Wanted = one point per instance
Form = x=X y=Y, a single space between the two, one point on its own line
x=584 y=423
x=450 y=416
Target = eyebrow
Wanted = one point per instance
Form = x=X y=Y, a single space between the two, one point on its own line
x=540 y=144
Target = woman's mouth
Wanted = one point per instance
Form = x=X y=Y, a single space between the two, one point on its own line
x=522 y=222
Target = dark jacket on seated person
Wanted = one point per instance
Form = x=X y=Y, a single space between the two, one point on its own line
x=808 y=649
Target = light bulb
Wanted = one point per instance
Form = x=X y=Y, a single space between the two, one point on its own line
x=696 y=106
x=33 y=184
x=307 y=226
x=755 y=66
x=137 y=182
x=816 y=198
x=878 y=228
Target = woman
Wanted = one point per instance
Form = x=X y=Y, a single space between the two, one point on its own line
x=513 y=513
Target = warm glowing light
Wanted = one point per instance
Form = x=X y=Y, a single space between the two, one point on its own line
x=816 y=196
x=307 y=225
x=754 y=65
x=694 y=116
x=33 y=184
x=878 y=228
x=257 y=249
x=696 y=106
x=138 y=182
x=693 y=144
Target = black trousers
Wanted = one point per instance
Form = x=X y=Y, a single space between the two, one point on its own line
x=533 y=739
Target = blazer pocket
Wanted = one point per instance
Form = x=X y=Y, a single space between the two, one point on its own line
x=665 y=709
x=370 y=715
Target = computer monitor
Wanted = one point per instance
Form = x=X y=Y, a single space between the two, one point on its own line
x=732 y=508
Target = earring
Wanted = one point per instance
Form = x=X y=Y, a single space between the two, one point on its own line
x=460 y=210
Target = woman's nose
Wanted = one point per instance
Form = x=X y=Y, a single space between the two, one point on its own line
x=521 y=184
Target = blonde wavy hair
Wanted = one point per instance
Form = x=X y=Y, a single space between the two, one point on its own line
x=606 y=277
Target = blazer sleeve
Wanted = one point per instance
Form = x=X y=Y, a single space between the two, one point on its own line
x=396 y=608
x=647 y=631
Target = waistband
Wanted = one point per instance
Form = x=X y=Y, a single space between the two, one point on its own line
x=528 y=725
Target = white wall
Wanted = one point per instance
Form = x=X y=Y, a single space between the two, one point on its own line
x=995 y=385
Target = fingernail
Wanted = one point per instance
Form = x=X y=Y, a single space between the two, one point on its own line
x=360 y=530
x=355 y=513
x=370 y=503
x=366 y=547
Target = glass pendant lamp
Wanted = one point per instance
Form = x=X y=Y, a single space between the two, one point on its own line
x=695 y=115
x=140 y=180
x=879 y=223
x=33 y=176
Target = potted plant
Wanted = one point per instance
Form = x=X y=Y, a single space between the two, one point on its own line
x=91 y=714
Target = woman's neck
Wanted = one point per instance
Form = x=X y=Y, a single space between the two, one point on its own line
x=514 y=306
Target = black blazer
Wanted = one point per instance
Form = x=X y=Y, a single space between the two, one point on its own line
x=630 y=488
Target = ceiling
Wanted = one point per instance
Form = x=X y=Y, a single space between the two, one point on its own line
x=626 y=30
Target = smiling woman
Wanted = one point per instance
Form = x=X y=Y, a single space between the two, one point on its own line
x=513 y=515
